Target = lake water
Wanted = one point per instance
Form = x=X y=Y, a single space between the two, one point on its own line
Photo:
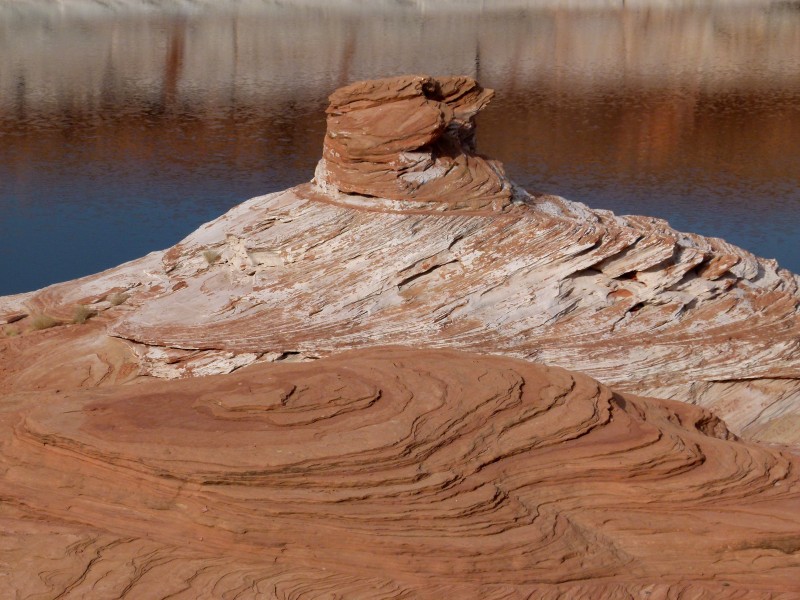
x=121 y=132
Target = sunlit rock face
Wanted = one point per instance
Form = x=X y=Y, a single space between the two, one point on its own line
x=388 y=473
x=169 y=447
x=321 y=268
x=410 y=141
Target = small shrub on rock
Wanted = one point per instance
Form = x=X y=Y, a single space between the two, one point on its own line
x=81 y=314
x=211 y=256
x=117 y=298
x=43 y=322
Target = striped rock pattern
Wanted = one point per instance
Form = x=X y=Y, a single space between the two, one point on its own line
x=182 y=443
x=625 y=299
x=388 y=473
x=410 y=142
x=323 y=267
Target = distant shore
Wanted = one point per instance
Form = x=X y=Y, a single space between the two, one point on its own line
x=89 y=6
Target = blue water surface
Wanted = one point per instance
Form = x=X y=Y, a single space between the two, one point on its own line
x=120 y=133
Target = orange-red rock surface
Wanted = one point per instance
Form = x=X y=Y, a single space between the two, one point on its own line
x=167 y=447
x=388 y=473
x=410 y=142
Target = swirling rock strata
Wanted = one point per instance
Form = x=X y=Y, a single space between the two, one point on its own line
x=410 y=141
x=318 y=268
x=627 y=300
x=388 y=473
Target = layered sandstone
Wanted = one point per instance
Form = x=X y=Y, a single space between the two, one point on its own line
x=410 y=141
x=323 y=267
x=388 y=473
x=168 y=448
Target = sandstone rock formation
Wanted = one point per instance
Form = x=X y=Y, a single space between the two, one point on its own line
x=388 y=473
x=314 y=270
x=166 y=448
x=411 y=142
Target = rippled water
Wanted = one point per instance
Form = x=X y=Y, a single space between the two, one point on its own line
x=122 y=132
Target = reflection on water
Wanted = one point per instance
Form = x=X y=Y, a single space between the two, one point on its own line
x=119 y=134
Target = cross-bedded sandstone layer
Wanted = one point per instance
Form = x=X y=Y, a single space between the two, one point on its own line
x=322 y=267
x=388 y=473
x=625 y=299
x=397 y=473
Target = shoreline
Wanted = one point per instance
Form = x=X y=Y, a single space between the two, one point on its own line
x=89 y=8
